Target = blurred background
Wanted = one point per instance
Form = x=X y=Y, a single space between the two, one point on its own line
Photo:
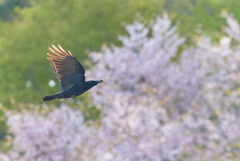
x=28 y=28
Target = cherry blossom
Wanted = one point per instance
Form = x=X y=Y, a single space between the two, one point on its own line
x=156 y=103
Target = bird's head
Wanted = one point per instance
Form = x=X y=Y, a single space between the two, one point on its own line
x=94 y=83
x=100 y=81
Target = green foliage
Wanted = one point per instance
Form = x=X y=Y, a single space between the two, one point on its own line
x=7 y=8
x=82 y=26
x=204 y=13
x=76 y=25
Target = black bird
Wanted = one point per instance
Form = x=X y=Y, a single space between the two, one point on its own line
x=70 y=74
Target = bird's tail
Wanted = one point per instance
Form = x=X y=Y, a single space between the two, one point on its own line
x=48 y=98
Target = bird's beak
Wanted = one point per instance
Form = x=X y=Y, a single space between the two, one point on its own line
x=101 y=81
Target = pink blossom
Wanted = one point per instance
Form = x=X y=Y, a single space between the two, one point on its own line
x=156 y=103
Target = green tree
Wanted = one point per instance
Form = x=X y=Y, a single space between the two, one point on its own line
x=76 y=25
x=7 y=8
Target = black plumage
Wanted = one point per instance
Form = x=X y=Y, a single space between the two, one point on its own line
x=70 y=73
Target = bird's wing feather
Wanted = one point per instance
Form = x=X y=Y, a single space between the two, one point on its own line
x=69 y=70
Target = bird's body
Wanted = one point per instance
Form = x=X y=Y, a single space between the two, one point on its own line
x=70 y=74
x=73 y=91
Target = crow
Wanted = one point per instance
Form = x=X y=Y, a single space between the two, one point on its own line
x=70 y=74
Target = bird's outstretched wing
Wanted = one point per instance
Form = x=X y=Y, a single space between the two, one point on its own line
x=68 y=68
